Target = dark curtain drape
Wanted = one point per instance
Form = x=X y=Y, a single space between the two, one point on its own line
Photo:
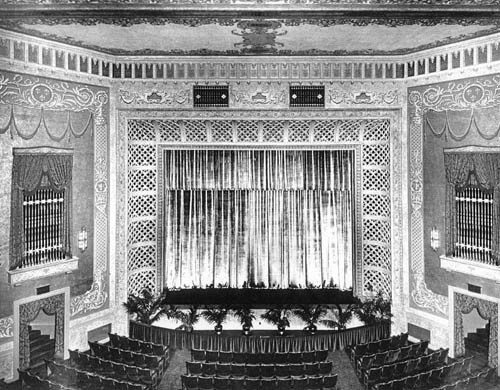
x=464 y=304
x=28 y=312
x=331 y=341
x=266 y=217
x=486 y=169
x=28 y=171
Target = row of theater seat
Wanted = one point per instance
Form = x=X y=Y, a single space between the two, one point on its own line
x=128 y=357
x=391 y=356
x=474 y=382
x=428 y=379
x=76 y=378
x=32 y=381
x=201 y=355
x=195 y=382
x=404 y=368
x=109 y=368
x=127 y=343
x=258 y=370
x=373 y=347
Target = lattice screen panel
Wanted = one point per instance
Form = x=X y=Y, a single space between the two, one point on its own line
x=142 y=161
x=372 y=135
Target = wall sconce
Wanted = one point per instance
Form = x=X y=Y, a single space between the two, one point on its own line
x=82 y=239
x=434 y=238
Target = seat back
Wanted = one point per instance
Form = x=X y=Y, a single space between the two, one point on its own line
x=330 y=381
x=325 y=367
x=321 y=355
x=193 y=368
x=198 y=355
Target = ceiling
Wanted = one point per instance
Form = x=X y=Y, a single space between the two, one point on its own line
x=153 y=27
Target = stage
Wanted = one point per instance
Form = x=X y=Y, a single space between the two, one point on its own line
x=259 y=341
x=258 y=296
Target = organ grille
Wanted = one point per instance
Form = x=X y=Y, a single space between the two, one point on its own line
x=474 y=211
x=43 y=218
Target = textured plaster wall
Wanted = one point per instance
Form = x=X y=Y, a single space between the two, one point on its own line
x=437 y=278
x=83 y=179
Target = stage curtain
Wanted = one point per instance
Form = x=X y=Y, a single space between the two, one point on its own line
x=332 y=341
x=272 y=218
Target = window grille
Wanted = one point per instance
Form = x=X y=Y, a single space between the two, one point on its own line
x=474 y=223
x=43 y=212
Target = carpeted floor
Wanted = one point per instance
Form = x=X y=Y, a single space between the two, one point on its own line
x=347 y=379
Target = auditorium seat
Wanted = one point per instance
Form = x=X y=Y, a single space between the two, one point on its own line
x=223 y=369
x=252 y=358
x=253 y=370
x=222 y=383
x=212 y=356
x=252 y=384
x=267 y=370
x=208 y=369
x=296 y=370
x=239 y=357
x=238 y=370
x=295 y=357
x=189 y=382
x=198 y=355
x=321 y=355
x=237 y=383
x=281 y=357
x=205 y=383
x=193 y=368
x=267 y=384
x=311 y=369
x=284 y=383
x=300 y=382
x=225 y=357
x=314 y=383
x=308 y=357
x=325 y=367
x=282 y=370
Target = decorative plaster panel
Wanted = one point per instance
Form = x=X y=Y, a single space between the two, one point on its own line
x=46 y=94
x=456 y=95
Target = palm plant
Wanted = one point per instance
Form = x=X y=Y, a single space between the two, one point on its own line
x=147 y=307
x=310 y=314
x=341 y=316
x=246 y=316
x=188 y=318
x=374 y=311
x=216 y=315
x=278 y=316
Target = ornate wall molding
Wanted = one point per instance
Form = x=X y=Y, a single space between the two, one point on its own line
x=141 y=132
x=6 y=327
x=42 y=94
x=259 y=95
x=454 y=96
x=379 y=94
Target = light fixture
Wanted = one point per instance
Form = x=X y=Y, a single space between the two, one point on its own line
x=434 y=238
x=82 y=239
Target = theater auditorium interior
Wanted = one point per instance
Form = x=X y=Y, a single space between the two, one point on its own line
x=249 y=194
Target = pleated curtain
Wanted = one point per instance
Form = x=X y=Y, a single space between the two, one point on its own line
x=269 y=218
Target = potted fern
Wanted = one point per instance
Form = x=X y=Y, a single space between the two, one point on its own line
x=341 y=316
x=310 y=314
x=375 y=311
x=146 y=306
x=278 y=316
x=246 y=316
x=188 y=318
x=216 y=315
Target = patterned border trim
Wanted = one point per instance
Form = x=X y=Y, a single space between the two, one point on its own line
x=428 y=3
x=33 y=92
x=395 y=147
